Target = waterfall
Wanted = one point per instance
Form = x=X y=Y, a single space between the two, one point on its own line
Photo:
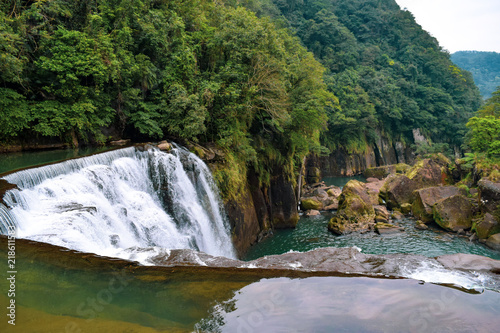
x=125 y=203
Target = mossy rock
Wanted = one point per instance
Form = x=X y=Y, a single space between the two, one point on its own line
x=354 y=214
x=487 y=226
x=308 y=204
x=402 y=168
x=387 y=228
x=453 y=213
x=406 y=208
x=425 y=198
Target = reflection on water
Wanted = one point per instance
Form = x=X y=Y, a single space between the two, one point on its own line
x=63 y=291
x=312 y=233
x=337 y=304
x=18 y=160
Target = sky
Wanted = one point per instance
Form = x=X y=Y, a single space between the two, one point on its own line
x=459 y=25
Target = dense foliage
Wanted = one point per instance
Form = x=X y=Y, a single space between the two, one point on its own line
x=484 y=66
x=239 y=76
x=390 y=75
x=484 y=128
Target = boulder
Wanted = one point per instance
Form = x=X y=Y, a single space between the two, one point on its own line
x=165 y=146
x=406 y=208
x=397 y=190
x=368 y=194
x=425 y=198
x=313 y=175
x=355 y=213
x=312 y=212
x=381 y=211
x=334 y=192
x=119 y=143
x=372 y=180
x=494 y=242
x=387 y=228
x=487 y=226
x=333 y=206
x=428 y=172
x=489 y=196
x=311 y=203
x=320 y=193
x=380 y=172
x=420 y=225
x=453 y=213
x=397 y=215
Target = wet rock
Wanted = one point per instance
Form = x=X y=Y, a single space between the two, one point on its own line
x=420 y=225
x=312 y=212
x=469 y=262
x=119 y=143
x=487 y=226
x=311 y=203
x=387 y=228
x=165 y=146
x=372 y=180
x=489 y=196
x=494 y=242
x=334 y=192
x=453 y=213
x=397 y=190
x=284 y=212
x=428 y=197
x=320 y=193
x=397 y=215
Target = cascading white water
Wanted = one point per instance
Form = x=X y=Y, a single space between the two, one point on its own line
x=125 y=203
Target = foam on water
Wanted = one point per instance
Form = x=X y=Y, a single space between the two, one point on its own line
x=124 y=203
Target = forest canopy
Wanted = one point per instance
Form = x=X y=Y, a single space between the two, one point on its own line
x=268 y=81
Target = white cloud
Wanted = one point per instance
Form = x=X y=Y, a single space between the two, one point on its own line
x=459 y=24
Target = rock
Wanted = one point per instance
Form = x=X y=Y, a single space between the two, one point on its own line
x=284 y=212
x=119 y=143
x=313 y=175
x=469 y=262
x=373 y=189
x=489 y=196
x=428 y=172
x=362 y=190
x=420 y=225
x=425 y=198
x=397 y=190
x=355 y=212
x=386 y=228
x=397 y=215
x=372 y=180
x=380 y=172
x=165 y=146
x=453 y=213
x=494 y=242
x=406 y=208
x=311 y=203
x=320 y=193
x=381 y=211
x=333 y=206
x=334 y=192
x=487 y=226
x=312 y=212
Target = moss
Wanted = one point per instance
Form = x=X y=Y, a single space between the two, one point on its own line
x=466 y=189
x=402 y=168
x=311 y=204
x=413 y=171
x=406 y=208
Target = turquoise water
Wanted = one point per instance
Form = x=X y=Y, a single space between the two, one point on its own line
x=14 y=161
x=312 y=233
x=341 y=181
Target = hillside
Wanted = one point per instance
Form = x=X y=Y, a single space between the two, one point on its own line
x=484 y=66
x=266 y=81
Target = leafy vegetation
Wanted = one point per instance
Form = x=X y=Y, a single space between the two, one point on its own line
x=484 y=66
x=268 y=81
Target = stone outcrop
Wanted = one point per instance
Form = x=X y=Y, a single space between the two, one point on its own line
x=428 y=172
x=494 y=242
x=487 y=226
x=453 y=213
x=355 y=211
x=284 y=212
x=489 y=196
x=425 y=198
x=397 y=190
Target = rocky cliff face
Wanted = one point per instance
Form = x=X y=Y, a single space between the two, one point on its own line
x=341 y=163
